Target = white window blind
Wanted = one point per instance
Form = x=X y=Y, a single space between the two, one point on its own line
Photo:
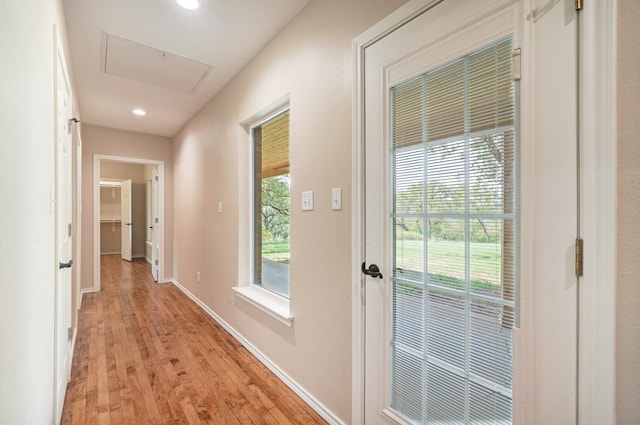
x=454 y=241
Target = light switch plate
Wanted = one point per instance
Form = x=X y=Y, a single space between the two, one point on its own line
x=336 y=198
x=307 y=200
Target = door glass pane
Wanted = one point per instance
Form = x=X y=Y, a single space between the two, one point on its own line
x=454 y=241
x=446 y=253
x=446 y=175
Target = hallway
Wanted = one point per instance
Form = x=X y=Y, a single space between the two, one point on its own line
x=146 y=354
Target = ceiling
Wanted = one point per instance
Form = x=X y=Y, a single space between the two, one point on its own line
x=155 y=55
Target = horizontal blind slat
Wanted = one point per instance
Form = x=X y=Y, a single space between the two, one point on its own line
x=454 y=256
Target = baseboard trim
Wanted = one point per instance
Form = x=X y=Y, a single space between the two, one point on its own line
x=87 y=291
x=73 y=346
x=316 y=405
x=119 y=253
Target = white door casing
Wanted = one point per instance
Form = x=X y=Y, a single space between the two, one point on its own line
x=64 y=220
x=548 y=185
x=447 y=32
x=159 y=227
x=127 y=220
x=155 y=245
x=78 y=217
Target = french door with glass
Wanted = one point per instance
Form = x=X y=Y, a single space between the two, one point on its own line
x=443 y=194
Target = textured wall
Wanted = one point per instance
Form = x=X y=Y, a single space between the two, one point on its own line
x=628 y=264
x=109 y=141
x=123 y=170
x=311 y=60
x=27 y=244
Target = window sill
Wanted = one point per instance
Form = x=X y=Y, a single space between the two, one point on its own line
x=272 y=304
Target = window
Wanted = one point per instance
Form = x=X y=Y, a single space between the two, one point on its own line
x=454 y=234
x=271 y=204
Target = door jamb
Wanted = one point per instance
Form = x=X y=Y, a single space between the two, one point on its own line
x=77 y=199
x=597 y=349
x=378 y=31
x=60 y=60
x=598 y=197
x=97 y=158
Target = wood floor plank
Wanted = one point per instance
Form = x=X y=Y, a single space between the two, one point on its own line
x=146 y=354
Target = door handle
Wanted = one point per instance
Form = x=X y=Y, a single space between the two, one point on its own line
x=128 y=224
x=65 y=265
x=372 y=271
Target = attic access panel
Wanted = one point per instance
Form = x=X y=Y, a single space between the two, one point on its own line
x=149 y=65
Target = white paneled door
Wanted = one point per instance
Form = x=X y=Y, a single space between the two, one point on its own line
x=127 y=220
x=64 y=245
x=470 y=217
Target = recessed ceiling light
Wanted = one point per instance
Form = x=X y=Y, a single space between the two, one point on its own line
x=189 y=4
x=139 y=112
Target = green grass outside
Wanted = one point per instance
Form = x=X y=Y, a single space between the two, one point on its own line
x=447 y=263
x=276 y=251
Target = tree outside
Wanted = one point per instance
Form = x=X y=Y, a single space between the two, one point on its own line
x=449 y=191
x=275 y=218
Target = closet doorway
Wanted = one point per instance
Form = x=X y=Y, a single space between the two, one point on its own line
x=123 y=204
x=128 y=212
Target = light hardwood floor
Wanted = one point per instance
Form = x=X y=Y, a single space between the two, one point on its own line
x=146 y=354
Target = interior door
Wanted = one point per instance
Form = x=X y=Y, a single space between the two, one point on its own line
x=155 y=243
x=465 y=320
x=63 y=334
x=126 y=218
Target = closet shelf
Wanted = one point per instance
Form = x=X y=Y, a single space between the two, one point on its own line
x=111 y=221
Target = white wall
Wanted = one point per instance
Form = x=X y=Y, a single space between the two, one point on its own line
x=310 y=59
x=123 y=170
x=27 y=247
x=628 y=235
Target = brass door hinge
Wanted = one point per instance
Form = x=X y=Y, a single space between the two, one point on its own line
x=579 y=257
x=578 y=5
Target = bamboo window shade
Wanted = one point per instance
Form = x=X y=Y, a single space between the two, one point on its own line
x=275 y=146
x=482 y=82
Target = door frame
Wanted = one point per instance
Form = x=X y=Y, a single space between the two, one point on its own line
x=97 y=158
x=154 y=206
x=77 y=205
x=596 y=363
x=125 y=225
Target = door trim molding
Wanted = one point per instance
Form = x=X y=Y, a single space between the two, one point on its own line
x=599 y=177
x=60 y=71
x=96 y=212
x=597 y=346
x=387 y=25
